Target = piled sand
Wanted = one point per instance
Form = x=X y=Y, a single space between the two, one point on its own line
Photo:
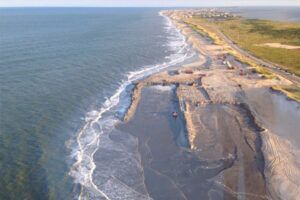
x=281 y=167
x=225 y=130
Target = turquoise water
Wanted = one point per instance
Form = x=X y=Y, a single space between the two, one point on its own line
x=56 y=66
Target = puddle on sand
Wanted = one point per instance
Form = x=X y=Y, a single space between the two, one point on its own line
x=171 y=171
x=278 y=114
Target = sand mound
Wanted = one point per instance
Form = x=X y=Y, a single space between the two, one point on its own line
x=278 y=45
x=282 y=171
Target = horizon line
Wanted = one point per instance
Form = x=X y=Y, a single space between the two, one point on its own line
x=83 y=6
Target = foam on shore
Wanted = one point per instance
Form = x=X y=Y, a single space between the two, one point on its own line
x=101 y=123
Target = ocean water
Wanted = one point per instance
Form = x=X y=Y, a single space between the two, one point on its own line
x=65 y=78
x=287 y=13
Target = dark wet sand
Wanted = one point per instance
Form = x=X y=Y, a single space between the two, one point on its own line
x=226 y=165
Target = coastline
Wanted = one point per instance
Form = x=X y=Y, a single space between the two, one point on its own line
x=225 y=131
x=130 y=104
x=100 y=126
x=208 y=82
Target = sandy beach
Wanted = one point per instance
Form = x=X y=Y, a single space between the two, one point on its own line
x=231 y=140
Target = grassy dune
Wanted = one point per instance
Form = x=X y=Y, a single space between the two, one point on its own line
x=292 y=91
x=203 y=28
x=200 y=25
x=250 y=33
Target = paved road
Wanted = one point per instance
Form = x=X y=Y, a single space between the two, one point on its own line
x=271 y=66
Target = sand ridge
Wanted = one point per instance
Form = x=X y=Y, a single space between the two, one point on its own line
x=222 y=127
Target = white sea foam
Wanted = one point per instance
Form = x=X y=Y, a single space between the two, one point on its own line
x=100 y=123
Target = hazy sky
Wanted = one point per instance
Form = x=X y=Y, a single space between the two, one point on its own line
x=158 y=3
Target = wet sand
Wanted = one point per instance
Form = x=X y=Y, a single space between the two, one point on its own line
x=233 y=138
x=224 y=164
x=276 y=116
x=281 y=138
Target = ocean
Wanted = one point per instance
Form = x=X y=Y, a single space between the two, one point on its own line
x=65 y=73
x=65 y=78
x=279 y=13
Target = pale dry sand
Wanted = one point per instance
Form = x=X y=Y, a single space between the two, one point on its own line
x=278 y=45
x=229 y=125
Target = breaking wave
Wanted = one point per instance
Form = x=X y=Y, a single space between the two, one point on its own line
x=119 y=174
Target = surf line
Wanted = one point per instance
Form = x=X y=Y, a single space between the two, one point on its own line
x=82 y=170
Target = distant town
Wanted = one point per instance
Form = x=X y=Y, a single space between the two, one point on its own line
x=208 y=13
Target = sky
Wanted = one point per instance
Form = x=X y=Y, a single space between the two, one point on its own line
x=147 y=3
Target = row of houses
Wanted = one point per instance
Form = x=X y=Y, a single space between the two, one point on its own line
x=210 y=13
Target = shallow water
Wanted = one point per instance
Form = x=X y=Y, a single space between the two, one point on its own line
x=160 y=138
x=60 y=69
x=279 y=115
x=162 y=168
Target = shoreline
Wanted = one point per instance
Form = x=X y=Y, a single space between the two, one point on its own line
x=208 y=82
x=85 y=169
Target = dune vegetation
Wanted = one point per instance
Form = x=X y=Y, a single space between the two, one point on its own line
x=252 y=34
